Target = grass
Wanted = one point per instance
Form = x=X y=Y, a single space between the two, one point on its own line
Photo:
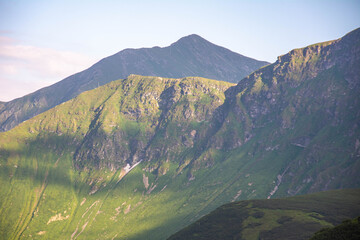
x=44 y=194
x=348 y=229
x=287 y=218
x=61 y=172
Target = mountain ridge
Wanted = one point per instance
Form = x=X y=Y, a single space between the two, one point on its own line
x=281 y=96
x=83 y=150
x=176 y=60
x=287 y=129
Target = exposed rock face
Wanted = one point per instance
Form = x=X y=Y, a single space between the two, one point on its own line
x=174 y=149
x=309 y=98
x=190 y=56
x=302 y=110
x=154 y=118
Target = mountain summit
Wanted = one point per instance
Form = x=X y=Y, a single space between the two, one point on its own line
x=190 y=56
x=193 y=41
x=142 y=157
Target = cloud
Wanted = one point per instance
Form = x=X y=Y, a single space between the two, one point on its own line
x=24 y=68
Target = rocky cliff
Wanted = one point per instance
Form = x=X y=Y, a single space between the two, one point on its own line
x=143 y=157
x=190 y=56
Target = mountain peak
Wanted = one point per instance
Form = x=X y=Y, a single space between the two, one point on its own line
x=189 y=56
x=192 y=38
x=289 y=128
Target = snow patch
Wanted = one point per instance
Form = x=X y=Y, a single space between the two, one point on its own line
x=83 y=201
x=127 y=169
x=151 y=188
x=146 y=181
x=279 y=180
x=57 y=217
x=127 y=210
x=237 y=195
x=163 y=188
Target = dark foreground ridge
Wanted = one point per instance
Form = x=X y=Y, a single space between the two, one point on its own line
x=349 y=229
x=296 y=218
x=144 y=157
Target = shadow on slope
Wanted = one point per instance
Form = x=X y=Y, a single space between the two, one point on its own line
x=288 y=218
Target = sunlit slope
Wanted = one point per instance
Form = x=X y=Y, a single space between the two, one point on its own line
x=144 y=157
x=62 y=172
x=189 y=56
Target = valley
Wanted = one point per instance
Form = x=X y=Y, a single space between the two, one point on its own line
x=145 y=156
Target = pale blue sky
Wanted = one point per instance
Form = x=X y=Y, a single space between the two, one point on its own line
x=42 y=42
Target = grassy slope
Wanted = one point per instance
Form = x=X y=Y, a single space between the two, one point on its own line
x=60 y=171
x=348 y=229
x=43 y=194
x=287 y=218
x=299 y=118
x=190 y=56
x=290 y=127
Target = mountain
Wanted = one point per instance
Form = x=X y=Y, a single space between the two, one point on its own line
x=348 y=229
x=143 y=157
x=298 y=117
x=296 y=218
x=62 y=172
x=189 y=56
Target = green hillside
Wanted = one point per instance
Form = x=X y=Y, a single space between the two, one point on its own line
x=348 y=229
x=298 y=117
x=189 y=56
x=62 y=172
x=143 y=157
x=293 y=218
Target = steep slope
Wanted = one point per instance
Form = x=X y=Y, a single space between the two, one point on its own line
x=69 y=163
x=189 y=56
x=296 y=218
x=298 y=118
x=145 y=156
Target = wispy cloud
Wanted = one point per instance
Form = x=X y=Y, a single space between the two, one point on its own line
x=24 y=68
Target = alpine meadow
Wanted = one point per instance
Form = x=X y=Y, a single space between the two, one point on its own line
x=145 y=144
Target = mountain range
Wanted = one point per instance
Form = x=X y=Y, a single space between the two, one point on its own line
x=143 y=157
x=189 y=56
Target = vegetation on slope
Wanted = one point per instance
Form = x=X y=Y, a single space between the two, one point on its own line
x=70 y=163
x=348 y=229
x=189 y=56
x=191 y=144
x=287 y=218
x=299 y=117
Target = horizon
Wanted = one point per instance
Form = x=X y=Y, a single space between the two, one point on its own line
x=35 y=54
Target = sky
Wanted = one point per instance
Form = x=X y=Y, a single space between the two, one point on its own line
x=43 y=42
